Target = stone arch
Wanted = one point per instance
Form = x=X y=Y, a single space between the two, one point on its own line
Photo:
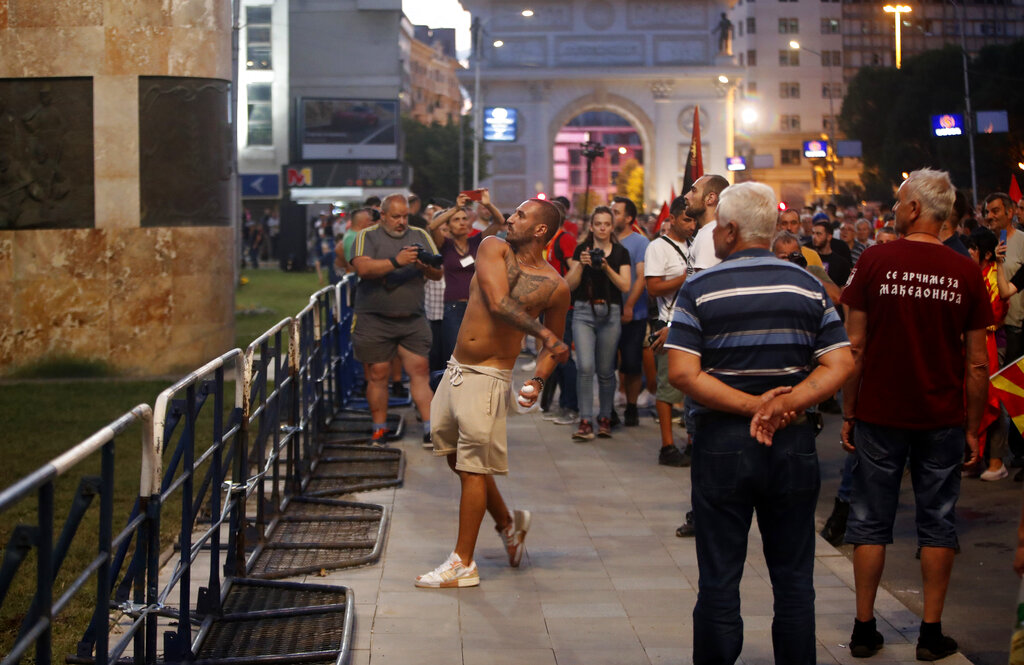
x=604 y=101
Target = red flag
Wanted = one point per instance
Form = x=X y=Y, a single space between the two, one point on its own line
x=1008 y=385
x=1014 y=189
x=694 y=160
x=662 y=216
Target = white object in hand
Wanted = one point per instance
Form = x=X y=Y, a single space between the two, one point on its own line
x=526 y=390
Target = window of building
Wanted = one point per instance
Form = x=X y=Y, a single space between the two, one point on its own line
x=830 y=26
x=261 y=127
x=789 y=90
x=751 y=58
x=789 y=123
x=257 y=36
x=831 y=59
x=832 y=90
x=741 y=28
x=789 y=58
x=789 y=26
x=752 y=87
x=790 y=157
x=741 y=60
x=751 y=25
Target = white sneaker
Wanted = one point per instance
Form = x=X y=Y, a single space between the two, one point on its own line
x=514 y=535
x=530 y=365
x=620 y=399
x=998 y=474
x=645 y=400
x=568 y=418
x=450 y=574
x=553 y=414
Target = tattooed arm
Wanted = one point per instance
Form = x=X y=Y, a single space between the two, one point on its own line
x=494 y=260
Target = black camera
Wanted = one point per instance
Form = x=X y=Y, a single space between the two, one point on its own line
x=426 y=257
x=797 y=258
x=596 y=257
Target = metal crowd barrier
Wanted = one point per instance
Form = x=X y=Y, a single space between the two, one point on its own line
x=43 y=610
x=236 y=465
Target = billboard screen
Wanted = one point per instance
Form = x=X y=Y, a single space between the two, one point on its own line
x=992 y=122
x=948 y=124
x=500 y=124
x=348 y=128
x=736 y=163
x=849 y=149
x=815 y=149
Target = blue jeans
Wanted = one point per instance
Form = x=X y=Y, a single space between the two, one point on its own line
x=453 y=313
x=564 y=375
x=596 y=330
x=733 y=476
x=934 y=455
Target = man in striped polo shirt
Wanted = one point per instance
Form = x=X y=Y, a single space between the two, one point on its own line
x=755 y=341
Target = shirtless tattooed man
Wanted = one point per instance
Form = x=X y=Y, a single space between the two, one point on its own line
x=513 y=285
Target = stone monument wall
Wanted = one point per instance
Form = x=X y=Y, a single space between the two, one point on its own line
x=115 y=183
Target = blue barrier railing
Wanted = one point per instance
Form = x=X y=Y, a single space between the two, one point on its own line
x=41 y=615
x=224 y=459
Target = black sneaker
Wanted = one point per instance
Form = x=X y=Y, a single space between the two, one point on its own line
x=671 y=456
x=866 y=642
x=687 y=529
x=937 y=649
x=632 y=417
x=427 y=443
x=615 y=419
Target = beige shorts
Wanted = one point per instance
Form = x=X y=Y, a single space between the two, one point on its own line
x=468 y=416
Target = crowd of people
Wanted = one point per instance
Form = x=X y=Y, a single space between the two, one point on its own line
x=741 y=323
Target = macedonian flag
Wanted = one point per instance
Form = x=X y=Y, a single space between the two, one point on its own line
x=1008 y=384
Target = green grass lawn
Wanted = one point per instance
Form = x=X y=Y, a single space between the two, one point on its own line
x=270 y=296
x=41 y=419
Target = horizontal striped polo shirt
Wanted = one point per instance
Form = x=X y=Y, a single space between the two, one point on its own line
x=755 y=321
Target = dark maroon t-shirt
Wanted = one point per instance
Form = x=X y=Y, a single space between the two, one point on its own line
x=920 y=299
x=459 y=269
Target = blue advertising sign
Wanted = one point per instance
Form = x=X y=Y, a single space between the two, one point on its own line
x=500 y=124
x=948 y=124
x=992 y=122
x=261 y=184
x=815 y=149
x=849 y=149
x=736 y=163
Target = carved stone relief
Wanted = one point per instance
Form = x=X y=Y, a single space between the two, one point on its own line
x=599 y=14
x=549 y=15
x=680 y=50
x=508 y=159
x=184 y=151
x=614 y=51
x=520 y=51
x=686 y=120
x=665 y=14
x=46 y=154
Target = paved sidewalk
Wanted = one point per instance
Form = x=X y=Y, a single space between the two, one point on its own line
x=605 y=579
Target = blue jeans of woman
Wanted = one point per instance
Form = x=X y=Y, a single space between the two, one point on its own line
x=733 y=477
x=596 y=328
x=454 y=311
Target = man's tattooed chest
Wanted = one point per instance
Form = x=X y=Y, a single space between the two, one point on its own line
x=529 y=290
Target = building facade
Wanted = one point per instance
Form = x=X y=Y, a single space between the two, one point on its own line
x=648 y=61
x=433 y=94
x=791 y=95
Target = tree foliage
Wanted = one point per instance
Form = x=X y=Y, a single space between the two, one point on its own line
x=630 y=182
x=890 y=111
x=433 y=153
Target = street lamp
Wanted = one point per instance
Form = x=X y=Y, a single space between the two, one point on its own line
x=478 y=108
x=830 y=160
x=897 y=11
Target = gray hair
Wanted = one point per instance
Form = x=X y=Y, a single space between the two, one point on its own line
x=385 y=205
x=861 y=223
x=752 y=206
x=784 y=236
x=933 y=190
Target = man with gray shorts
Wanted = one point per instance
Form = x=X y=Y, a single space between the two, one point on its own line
x=390 y=320
x=513 y=285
